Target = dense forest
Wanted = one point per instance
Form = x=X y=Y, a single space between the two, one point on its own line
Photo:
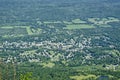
x=59 y=40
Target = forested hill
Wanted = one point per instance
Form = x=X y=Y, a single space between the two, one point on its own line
x=27 y=10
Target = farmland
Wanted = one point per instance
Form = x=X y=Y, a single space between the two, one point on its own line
x=16 y=31
x=78 y=21
x=82 y=26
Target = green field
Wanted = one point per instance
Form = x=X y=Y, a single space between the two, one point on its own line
x=90 y=72
x=7 y=27
x=49 y=65
x=105 y=25
x=17 y=31
x=52 y=22
x=14 y=31
x=67 y=22
x=84 y=77
x=29 y=31
x=78 y=21
x=101 y=21
x=80 y=26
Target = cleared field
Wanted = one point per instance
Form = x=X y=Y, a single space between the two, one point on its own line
x=88 y=68
x=80 y=26
x=78 y=21
x=29 y=31
x=83 y=72
x=101 y=21
x=32 y=31
x=8 y=36
x=51 y=22
x=83 y=77
x=16 y=31
x=7 y=27
x=12 y=31
x=67 y=22
x=49 y=65
x=20 y=31
x=105 y=25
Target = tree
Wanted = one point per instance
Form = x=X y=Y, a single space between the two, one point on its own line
x=27 y=76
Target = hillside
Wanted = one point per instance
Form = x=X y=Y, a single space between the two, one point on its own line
x=59 y=40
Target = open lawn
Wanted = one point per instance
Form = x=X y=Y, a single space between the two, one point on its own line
x=84 y=77
x=29 y=31
x=80 y=26
x=51 y=22
x=101 y=21
x=49 y=64
x=67 y=22
x=7 y=27
x=105 y=25
x=78 y=21
x=8 y=31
